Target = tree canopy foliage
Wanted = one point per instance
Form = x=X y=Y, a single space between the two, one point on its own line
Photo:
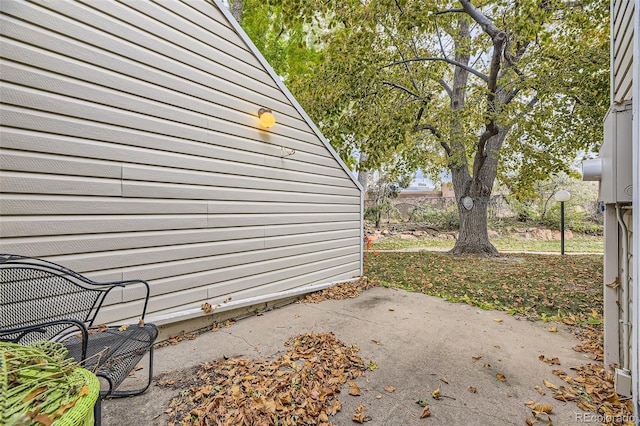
x=384 y=82
x=507 y=90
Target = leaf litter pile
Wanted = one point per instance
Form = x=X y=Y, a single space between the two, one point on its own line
x=298 y=388
x=340 y=291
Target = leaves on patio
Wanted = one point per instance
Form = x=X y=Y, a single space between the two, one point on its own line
x=340 y=291
x=592 y=385
x=299 y=387
x=359 y=416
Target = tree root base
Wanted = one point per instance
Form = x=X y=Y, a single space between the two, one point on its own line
x=478 y=250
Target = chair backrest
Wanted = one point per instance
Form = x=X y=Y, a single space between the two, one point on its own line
x=34 y=291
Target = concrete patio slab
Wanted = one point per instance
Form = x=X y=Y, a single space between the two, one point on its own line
x=415 y=340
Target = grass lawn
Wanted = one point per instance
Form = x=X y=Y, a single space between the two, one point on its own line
x=578 y=244
x=539 y=286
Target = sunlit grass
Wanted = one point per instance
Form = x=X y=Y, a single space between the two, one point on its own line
x=578 y=244
x=538 y=286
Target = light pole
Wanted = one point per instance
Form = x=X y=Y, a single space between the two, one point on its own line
x=562 y=196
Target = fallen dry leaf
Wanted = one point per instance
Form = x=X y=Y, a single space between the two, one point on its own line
x=472 y=389
x=35 y=392
x=542 y=408
x=498 y=319
x=549 y=384
x=436 y=394
x=476 y=358
x=389 y=389
x=123 y=327
x=83 y=391
x=61 y=410
x=355 y=390
x=426 y=412
x=553 y=329
x=540 y=390
x=444 y=380
x=44 y=419
x=359 y=416
x=501 y=377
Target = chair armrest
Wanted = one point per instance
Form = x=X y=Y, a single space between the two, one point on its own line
x=124 y=284
x=39 y=328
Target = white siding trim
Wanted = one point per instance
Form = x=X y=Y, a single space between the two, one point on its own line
x=231 y=305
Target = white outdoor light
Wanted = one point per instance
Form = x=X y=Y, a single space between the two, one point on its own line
x=562 y=196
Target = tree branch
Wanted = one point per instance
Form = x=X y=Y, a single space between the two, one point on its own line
x=450 y=61
x=446 y=87
x=404 y=89
x=442 y=12
x=484 y=22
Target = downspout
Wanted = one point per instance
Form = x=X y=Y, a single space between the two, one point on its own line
x=362 y=234
x=624 y=285
x=635 y=142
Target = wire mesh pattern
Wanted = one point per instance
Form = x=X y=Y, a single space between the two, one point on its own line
x=41 y=300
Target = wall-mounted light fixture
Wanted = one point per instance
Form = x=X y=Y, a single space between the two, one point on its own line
x=267 y=119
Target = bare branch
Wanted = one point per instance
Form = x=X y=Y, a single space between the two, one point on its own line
x=450 y=61
x=436 y=133
x=397 y=46
x=446 y=87
x=494 y=67
x=484 y=22
x=404 y=89
x=442 y=12
x=439 y=39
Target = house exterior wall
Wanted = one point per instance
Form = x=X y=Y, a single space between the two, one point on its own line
x=131 y=148
x=622 y=36
x=622 y=321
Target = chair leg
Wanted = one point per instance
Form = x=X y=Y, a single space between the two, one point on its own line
x=97 y=412
x=123 y=394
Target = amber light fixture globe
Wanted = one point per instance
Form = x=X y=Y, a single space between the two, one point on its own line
x=267 y=119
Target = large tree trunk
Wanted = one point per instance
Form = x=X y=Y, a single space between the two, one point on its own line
x=236 y=10
x=363 y=175
x=474 y=236
x=473 y=193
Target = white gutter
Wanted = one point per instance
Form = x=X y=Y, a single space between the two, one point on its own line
x=192 y=313
x=635 y=142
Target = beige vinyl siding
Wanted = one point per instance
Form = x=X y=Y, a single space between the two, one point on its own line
x=623 y=34
x=131 y=148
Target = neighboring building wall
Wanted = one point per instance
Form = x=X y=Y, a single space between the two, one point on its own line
x=622 y=50
x=619 y=189
x=131 y=149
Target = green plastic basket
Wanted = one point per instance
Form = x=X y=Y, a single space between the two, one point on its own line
x=39 y=386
